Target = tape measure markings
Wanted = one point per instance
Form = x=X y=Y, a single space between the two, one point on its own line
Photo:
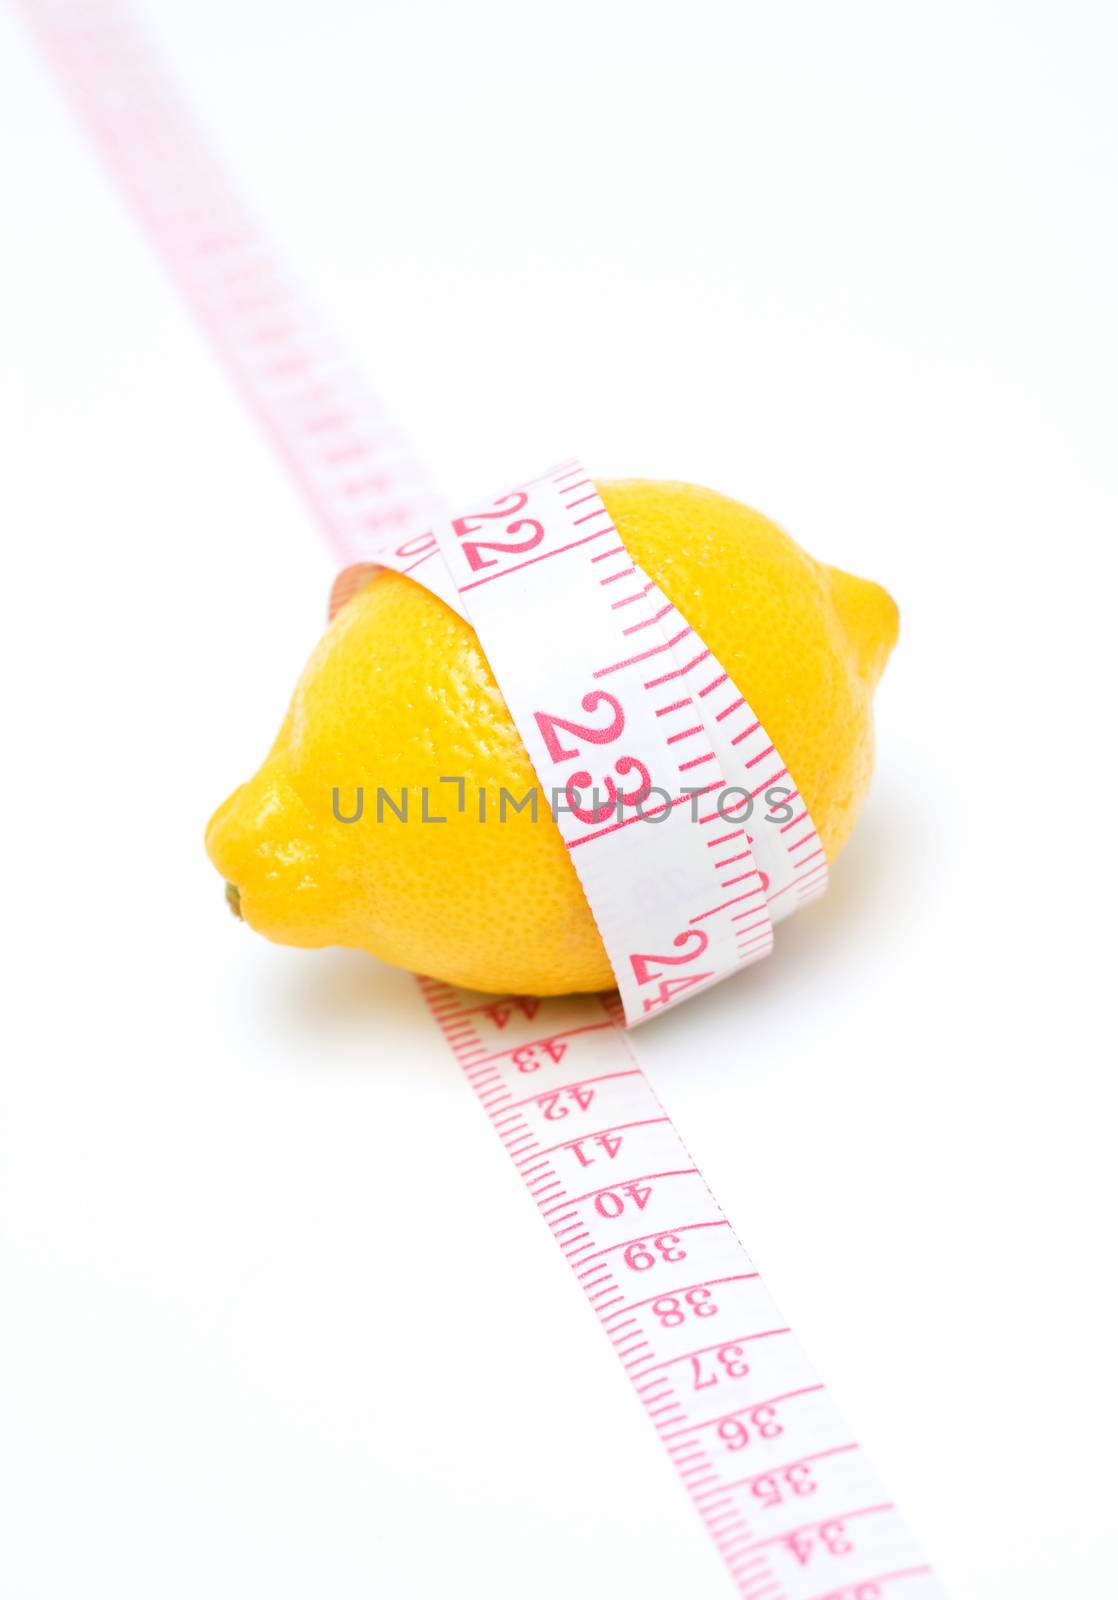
x=290 y=375
x=550 y=633
x=781 y=1414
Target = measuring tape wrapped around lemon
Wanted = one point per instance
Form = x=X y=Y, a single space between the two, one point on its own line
x=379 y=819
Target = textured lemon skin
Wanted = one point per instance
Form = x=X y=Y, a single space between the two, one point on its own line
x=398 y=695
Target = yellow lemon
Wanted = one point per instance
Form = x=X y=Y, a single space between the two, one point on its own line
x=398 y=696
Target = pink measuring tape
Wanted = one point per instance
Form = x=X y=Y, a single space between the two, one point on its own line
x=686 y=830
x=685 y=827
x=785 y=1493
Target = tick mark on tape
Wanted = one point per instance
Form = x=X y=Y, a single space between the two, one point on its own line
x=679 y=672
x=648 y=622
x=738 y=898
x=752 y=762
x=631 y=661
x=723 y=1344
x=707 y=1283
x=838 y=1519
x=713 y=685
x=688 y=1227
x=755 y=1405
x=629 y=598
x=577 y=1083
x=729 y=710
x=800 y=1461
x=532 y=561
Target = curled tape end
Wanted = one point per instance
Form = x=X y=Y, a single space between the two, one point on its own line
x=349 y=582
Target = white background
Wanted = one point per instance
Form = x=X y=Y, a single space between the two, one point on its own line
x=277 y=1318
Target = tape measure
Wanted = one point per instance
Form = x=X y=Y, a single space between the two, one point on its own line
x=663 y=782
x=784 y=1491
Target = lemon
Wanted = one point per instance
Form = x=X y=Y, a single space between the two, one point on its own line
x=398 y=696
